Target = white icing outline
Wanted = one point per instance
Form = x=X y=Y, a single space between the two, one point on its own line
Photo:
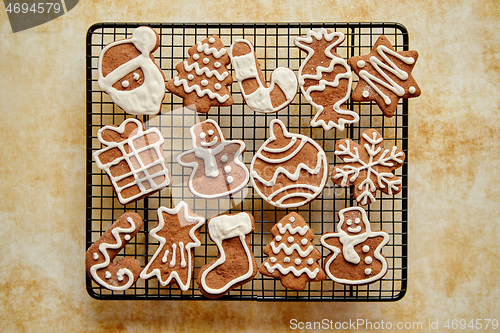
x=349 y=241
x=301 y=42
x=197 y=222
x=245 y=67
x=211 y=168
x=351 y=173
x=224 y=227
x=322 y=161
x=147 y=98
x=103 y=247
x=157 y=146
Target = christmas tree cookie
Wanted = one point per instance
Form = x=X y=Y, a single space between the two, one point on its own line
x=292 y=257
x=216 y=162
x=178 y=232
x=203 y=78
x=325 y=79
x=385 y=76
x=356 y=257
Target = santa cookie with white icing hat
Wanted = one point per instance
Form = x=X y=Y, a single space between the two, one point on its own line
x=356 y=257
x=217 y=167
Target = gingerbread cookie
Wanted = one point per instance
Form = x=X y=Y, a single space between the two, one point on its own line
x=133 y=160
x=368 y=166
x=356 y=257
x=252 y=81
x=178 y=232
x=325 y=79
x=293 y=258
x=385 y=76
x=217 y=167
x=129 y=75
x=203 y=78
x=235 y=264
x=288 y=170
x=99 y=257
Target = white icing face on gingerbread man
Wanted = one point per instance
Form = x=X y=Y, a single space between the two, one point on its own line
x=217 y=168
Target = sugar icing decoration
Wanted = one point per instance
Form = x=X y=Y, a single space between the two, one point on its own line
x=322 y=74
x=180 y=253
x=147 y=98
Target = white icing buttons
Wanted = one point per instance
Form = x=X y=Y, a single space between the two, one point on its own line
x=366 y=248
x=361 y=63
x=125 y=84
x=278 y=238
x=227 y=169
x=229 y=179
x=304 y=241
x=368 y=260
x=287 y=259
x=290 y=239
x=297 y=261
x=368 y=271
x=223 y=158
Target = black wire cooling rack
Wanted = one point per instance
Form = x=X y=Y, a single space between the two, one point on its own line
x=274 y=47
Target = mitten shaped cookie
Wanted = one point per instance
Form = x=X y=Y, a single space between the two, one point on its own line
x=356 y=257
x=216 y=162
x=203 y=78
x=178 y=232
x=236 y=263
x=293 y=258
x=129 y=75
x=133 y=160
x=99 y=258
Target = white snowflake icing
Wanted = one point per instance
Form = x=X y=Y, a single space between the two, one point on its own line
x=378 y=157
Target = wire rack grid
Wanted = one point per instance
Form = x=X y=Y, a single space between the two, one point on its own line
x=274 y=47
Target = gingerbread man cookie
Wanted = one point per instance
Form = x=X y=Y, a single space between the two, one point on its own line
x=385 y=76
x=252 y=82
x=99 y=257
x=129 y=75
x=368 y=166
x=203 y=78
x=217 y=167
x=325 y=79
x=178 y=232
x=356 y=257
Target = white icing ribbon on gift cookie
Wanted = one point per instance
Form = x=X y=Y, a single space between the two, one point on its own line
x=245 y=67
x=224 y=227
x=147 y=98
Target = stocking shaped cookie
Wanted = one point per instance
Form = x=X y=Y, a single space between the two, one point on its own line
x=203 y=78
x=325 y=79
x=236 y=263
x=385 y=76
x=288 y=170
x=368 y=166
x=99 y=258
x=252 y=81
x=128 y=73
x=217 y=167
x=293 y=258
x=133 y=160
x=178 y=232
x=356 y=256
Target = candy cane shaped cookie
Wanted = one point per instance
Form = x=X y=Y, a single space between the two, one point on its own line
x=129 y=75
x=236 y=263
x=252 y=82
x=99 y=258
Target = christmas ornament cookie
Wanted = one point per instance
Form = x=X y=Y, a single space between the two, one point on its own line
x=288 y=170
x=385 y=76
x=325 y=79
x=252 y=82
x=178 y=232
x=133 y=160
x=99 y=258
x=356 y=256
x=292 y=257
x=217 y=167
x=203 y=78
x=368 y=166
x=129 y=75
x=235 y=264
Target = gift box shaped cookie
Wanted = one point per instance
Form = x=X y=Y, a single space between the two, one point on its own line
x=133 y=160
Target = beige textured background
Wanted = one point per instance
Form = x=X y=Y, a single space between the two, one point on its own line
x=454 y=156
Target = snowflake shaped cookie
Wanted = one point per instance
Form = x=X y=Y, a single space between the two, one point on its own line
x=368 y=166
